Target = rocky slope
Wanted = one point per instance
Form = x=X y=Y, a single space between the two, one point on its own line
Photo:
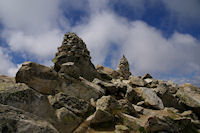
x=74 y=96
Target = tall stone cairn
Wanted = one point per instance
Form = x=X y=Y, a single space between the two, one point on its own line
x=123 y=68
x=73 y=58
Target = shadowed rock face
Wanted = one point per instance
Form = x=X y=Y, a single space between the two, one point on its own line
x=75 y=97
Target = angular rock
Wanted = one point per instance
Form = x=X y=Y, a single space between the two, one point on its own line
x=123 y=68
x=127 y=107
x=70 y=69
x=83 y=89
x=147 y=76
x=107 y=73
x=135 y=124
x=167 y=93
x=149 y=96
x=13 y=120
x=78 y=106
x=109 y=104
x=189 y=96
x=38 y=77
x=136 y=82
x=121 y=129
x=70 y=120
x=116 y=88
x=73 y=49
x=158 y=124
x=22 y=97
x=101 y=119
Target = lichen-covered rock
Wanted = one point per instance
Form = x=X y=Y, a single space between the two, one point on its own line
x=123 y=68
x=107 y=73
x=121 y=129
x=82 y=89
x=101 y=119
x=136 y=82
x=70 y=120
x=189 y=96
x=73 y=49
x=108 y=103
x=38 y=77
x=13 y=120
x=78 y=106
x=149 y=96
x=115 y=88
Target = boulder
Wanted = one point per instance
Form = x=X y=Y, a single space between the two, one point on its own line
x=149 y=96
x=115 y=87
x=109 y=104
x=13 y=120
x=189 y=96
x=82 y=89
x=73 y=49
x=147 y=76
x=39 y=77
x=70 y=120
x=107 y=73
x=136 y=82
x=121 y=129
x=78 y=106
x=22 y=97
x=167 y=124
x=127 y=108
x=101 y=119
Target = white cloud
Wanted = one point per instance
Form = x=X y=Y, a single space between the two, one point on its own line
x=33 y=27
x=7 y=67
x=145 y=47
x=185 y=10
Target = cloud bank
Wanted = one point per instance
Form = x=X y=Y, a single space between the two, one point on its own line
x=35 y=29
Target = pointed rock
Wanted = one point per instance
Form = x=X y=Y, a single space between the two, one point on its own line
x=74 y=50
x=123 y=68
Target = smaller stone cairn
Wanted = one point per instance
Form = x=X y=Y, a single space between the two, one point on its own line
x=123 y=68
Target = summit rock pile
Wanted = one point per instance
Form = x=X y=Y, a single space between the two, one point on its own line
x=73 y=96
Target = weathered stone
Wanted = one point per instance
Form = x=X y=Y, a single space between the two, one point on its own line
x=78 y=106
x=70 y=69
x=167 y=94
x=189 y=96
x=108 y=103
x=156 y=124
x=147 y=76
x=83 y=89
x=107 y=73
x=38 y=77
x=116 y=88
x=123 y=68
x=135 y=81
x=121 y=129
x=73 y=49
x=70 y=120
x=101 y=119
x=149 y=96
x=13 y=120
x=127 y=107
x=135 y=124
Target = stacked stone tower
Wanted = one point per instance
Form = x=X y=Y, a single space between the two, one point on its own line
x=73 y=58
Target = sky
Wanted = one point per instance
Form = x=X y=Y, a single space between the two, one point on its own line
x=160 y=37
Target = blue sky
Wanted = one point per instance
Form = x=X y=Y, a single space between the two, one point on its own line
x=160 y=37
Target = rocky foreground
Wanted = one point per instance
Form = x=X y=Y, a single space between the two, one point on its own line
x=74 y=96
